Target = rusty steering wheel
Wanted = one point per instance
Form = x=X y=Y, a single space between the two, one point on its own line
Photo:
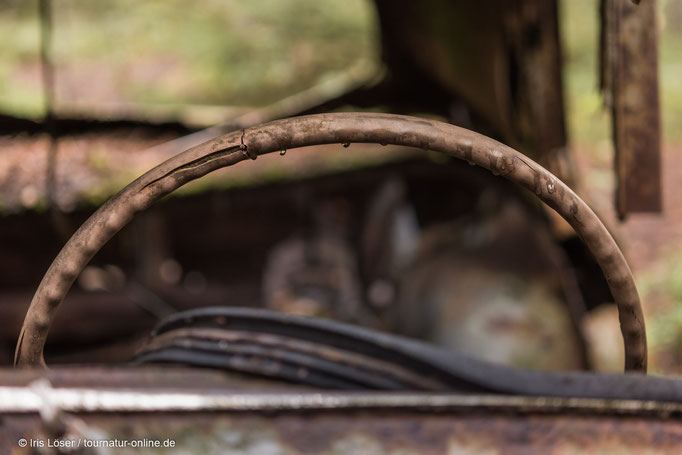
x=343 y=128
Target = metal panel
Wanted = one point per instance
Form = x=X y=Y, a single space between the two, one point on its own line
x=630 y=83
x=197 y=419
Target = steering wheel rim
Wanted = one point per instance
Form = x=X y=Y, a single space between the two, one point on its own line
x=292 y=133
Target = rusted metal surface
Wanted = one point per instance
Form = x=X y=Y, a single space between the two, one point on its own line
x=33 y=397
x=501 y=58
x=324 y=129
x=175 y=389
x=369 y=433
x=204 y=421
x=630 y=84
x=378 y=433
x=209 y=412
x=536 y=84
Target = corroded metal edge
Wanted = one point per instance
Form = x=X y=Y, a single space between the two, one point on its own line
x=35 y=397
x=327 y=129
x=629 y=78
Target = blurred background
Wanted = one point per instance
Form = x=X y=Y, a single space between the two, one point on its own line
x=91 y=93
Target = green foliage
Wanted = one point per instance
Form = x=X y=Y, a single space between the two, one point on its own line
x=235 y=52
x=662 y=284
x=671 y=68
